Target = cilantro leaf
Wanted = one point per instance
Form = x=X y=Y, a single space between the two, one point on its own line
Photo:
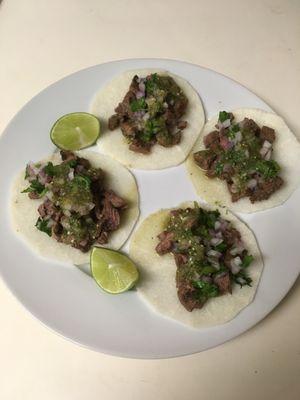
x=151 y=83
x=49 y=169
x=223 y=116
x=42 y=226
x=247 y=260
x=36 y=187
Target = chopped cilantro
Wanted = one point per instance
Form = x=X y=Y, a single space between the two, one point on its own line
x=268 y=168
x=223 y=116
x=151 y=83
x=247 y=260
x=36 y=187
x=233 y=130
x=42 y=225
x=208 y=270
x=82 y=180
x=49 y=169
x=242 y=279
x=138 y=104
x=219 y=167
x=221 y=247
x=207 y=289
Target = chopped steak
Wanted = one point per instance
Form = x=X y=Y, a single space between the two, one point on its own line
x=151 y=112
x=78 y=209
x=208 y=252
x=240 y=154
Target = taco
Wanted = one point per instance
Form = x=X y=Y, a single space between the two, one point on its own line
x=69 y=202
x=150 y=118
x=247 y=160
x=199 y=266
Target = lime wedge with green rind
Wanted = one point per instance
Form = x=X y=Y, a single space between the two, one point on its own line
x=75 y=131
x=113 y=271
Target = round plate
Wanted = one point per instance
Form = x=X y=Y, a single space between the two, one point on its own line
x=69 y=301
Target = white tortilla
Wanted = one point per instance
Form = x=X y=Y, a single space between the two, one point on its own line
x=286 y=151
x=157 y=275
x=24 y=210
x=114 y=143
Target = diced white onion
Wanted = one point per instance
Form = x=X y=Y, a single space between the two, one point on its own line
x=267 y=144
x=71 y=174
x=50 y=223
x=49 y=195
x=215 y=241
x=237 y=250
x=214 y=263
x=217 y=225
x=238 y=137
x=236 y=265
x=226 y=123
x=214 y=253
x=252 y=183
x=268 y=155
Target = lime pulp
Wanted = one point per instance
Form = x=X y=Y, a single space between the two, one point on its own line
x=75 y=131
x=113 y=271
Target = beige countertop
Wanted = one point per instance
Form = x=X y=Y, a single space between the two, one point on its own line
x=257 y=43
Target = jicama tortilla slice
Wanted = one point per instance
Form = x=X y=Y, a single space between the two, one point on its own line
x=286 y=151
x=24 y=210
x=114 y=143
x=157 y=275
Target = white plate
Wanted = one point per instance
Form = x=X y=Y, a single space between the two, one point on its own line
x=69 y=301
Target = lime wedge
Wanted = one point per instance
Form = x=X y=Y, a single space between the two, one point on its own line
x=113 y=271
x=75 y=131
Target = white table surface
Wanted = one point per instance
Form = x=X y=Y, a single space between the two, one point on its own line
x=254 y=42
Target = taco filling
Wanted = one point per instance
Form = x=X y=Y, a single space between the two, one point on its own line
x=151 y=112
x=209 y=253
x=78 y=209
x=241 y=154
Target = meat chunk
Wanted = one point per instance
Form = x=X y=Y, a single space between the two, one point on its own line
x=115 y=200
x=204 y=158
x=33 y=195
x=181 y=124
x=67 y=155
x=187 y=295
x=103 y=238
x=167 y=139
x=231 y=236
x=47 y=208
x=264 y=190
x=250 y=126
x=180 y=259
x=110 y=215
x=211 y=139
x=113 y=122
x=166 y=243
x=128 y=129
x=268 y=134
x=223 y=282
x=140 y=147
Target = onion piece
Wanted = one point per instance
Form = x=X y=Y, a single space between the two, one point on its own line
x=235 y=265
x=71 y=174
x=215 y=241
x=217 y=225
x=237 y=250
x=252 y=183
x=214 y=253
x=214 y=263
